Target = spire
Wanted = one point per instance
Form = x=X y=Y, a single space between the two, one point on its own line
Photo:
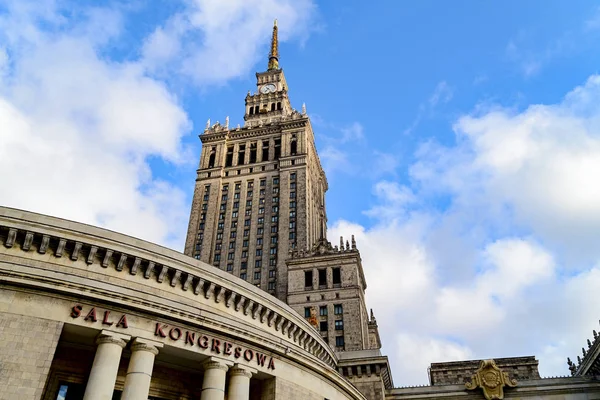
x=274 y=53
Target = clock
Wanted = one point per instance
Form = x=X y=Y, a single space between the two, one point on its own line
x=268 y=88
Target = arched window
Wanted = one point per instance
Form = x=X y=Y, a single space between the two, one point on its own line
x=251 y=110
x=255 y=109
x=293 y=147
x=211 y=159
x=279 y=105
x=272 y=106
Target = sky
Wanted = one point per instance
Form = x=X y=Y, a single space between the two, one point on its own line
x=461 y=142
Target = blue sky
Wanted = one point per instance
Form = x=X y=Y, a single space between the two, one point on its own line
x=461 y=142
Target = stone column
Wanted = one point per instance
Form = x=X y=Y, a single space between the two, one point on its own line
x=213 y=385
x=101 y=382
x=239 y=382
x=139 y=372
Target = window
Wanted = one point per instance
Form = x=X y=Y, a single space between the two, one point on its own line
x=277 y=148
x=261 y=210
x=220 y=236
x=322 y=277
x=257 y=275
x=262 y=192
x=218 y=246
x=236 y=195
x=217 y=257
x=261 y=202
x=263 y=182
x=275 y=209
x=292 y=195
x=243 y=276
x=250 y=184
x=247 y=222
x=293 y=147
x=273 y=250
x=205 y=197
x=230 y=256
x=236 y=204
x=197 y=256
x=274 y=218
x=260 y=220
x=306 y=312
x=275 y=181
x=203 y=217
x=323 y=326
x=273 y=262
x=308 y=279
x=248 y=212
x=339 y=325
x=246 y=233
x=202 y=226
x=232 y=245
x=220 y=225
x=237 y=186
x=323 y=311
x=337 y=276
x=249 y=203
x=234 y=214
x=274 y=239
x=198 y=246
x=275 y=190
x=337 y=309
x=293 y=176
x=241 y=153
x=207 y=188
x=244 y=265
x=250 y=192
x=292 y=224
x=292 y=235
x=272 y=273
x=275 y=199
x=229 y=267
x=260 y=231
x=245 y=243
x=274 y=229
x=292 y=214
x=339 y=341
x=224 y=197
x=259 y=252
x=221 y=217
x=271 y=286
x=257 y=263
x=234 y=224
x=204 y=207
x=293 y=185
x=222 y=207
x=225 y=188
x=259 y=241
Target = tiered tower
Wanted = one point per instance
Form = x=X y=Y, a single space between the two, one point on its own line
x=260 y=189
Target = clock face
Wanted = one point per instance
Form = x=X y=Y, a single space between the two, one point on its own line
x=269 y=88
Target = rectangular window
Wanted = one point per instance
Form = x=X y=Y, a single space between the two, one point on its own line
x=204 y=207
x=203 y=217
x=232 y=245
x=234 y=214
x=225 y=188
x=220 y=225
x=292 y=235
x=339 y=325
x=229 y=267
x=237 y=186
x=246 y=233
x=275 y=209
x=244 y=265
x=243 y=276
x=224 y=197
x=273 y=250
x=259 y=241
x=260 y=231
x=275 y=190
x=234 y=224
x=263 y=182
x=249 y=203
x=261 y=210
x=257 y=275
x=230 y=256
x=275 y=181
x=260 y=220
x=337 y=276
x=274 y=239
x=236 y=204
x=257 y=263
x=322 y=277
x=338 y=309
x=274 y=218
x=217 y=257
x=245 y=243
x=262 y=192
x=323 y=326
x=308 y=279
x=306 y=312
x=293 y=225
x=323 y=311
x=219 y=235
x=293 y=185
x=293 y=176
x=205 y=197
x=247 y=222
x=222 y=207
x=261 y=202
x=244 y=254
x=274 y=229
x=292 y=195
x=272 y=273
x=249 y=193
x=339 y=341
x=221 y=217
x=202 y=226
x=259 y=252
x=271 y=286
x=236 y=195
x=292 y=214
x=275 y=199
x=218 y=246
x=248 y=213
x=250 y=184
x=273 y=262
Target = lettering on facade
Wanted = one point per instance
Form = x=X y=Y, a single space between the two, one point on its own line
x=94 y=315
x=213 y=345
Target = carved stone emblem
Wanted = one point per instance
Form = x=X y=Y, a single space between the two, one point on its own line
x=491 y=380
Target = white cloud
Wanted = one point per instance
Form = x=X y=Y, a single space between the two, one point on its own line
x=213 y=41
x=491 y=250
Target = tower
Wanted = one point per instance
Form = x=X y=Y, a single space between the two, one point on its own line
x=260 y=189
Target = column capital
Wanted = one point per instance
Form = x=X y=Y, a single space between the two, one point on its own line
x=140 y=344
x=216 y=363
x=113 y=338
x=242 y=370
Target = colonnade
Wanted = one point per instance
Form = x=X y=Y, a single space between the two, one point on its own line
x=101 y=382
